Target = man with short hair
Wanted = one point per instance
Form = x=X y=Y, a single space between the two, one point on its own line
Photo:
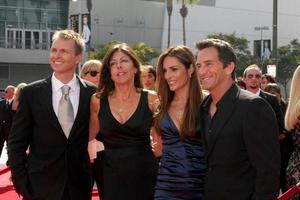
x=6 y=115
x=253 y=78
x=52 y=120
x=239 y=134
x=9 y=93
x=4 y=130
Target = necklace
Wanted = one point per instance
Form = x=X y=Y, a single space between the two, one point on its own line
x=121 y=110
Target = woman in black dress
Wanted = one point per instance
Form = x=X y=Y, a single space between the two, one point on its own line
x=122 y=114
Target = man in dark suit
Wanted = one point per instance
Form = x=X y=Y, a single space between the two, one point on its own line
x=52 y=120
x=6 y=116
x=3 y=134
x=239 y=132
x=253 y=78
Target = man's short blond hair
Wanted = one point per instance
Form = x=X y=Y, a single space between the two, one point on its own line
x=70 y=35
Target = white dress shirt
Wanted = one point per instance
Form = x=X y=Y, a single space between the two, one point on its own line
x=74 y=93
x=258 y=92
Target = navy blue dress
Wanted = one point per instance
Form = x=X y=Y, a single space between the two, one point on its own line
x=182 y=166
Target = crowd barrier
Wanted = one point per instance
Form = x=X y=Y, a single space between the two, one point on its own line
x=290 y=193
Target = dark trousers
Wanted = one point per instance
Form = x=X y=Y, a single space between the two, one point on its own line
x=66 y=194
x=2 y=140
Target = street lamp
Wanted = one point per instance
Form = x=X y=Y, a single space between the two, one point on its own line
x=261 y=29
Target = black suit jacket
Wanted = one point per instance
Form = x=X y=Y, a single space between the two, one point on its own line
x=2 y=116
x=54 y=162
x=243 y=151
x=6 y=117
x=272 y=100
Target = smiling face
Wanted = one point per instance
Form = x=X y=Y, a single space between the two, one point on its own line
x=63 y=58
x=122 y=68
x=175 y=73
x=211 y=71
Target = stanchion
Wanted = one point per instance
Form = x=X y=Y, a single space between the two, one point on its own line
x=290 y=193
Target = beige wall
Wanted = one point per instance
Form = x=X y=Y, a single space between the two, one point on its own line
x=130 y=21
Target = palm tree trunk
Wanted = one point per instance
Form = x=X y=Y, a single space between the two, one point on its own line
x=89 y=5
x=183 y=12
x=169 y=30
x=169 y=8
x=183 y=30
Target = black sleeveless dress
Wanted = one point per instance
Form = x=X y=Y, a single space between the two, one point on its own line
x=129 y=166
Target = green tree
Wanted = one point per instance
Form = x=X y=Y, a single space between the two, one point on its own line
x=100 y=53
x=144 y=52
x=288 y=60
x=240 y=45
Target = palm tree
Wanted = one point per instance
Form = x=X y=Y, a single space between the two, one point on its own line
x=169 y=8
x=89 y=6
x=184 y=12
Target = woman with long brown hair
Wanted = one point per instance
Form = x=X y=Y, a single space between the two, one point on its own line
x=182 y=165
x=121 y=117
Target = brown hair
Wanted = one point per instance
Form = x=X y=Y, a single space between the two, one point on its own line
x=269 y=78
x=272 y=87
x=225 y=51
x=190 y=116
x=106 y=84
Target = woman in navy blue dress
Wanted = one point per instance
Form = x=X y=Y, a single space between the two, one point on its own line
x=182 y=165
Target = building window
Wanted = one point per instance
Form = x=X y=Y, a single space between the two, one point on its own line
x=4 y=71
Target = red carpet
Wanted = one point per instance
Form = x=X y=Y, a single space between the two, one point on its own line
x=7 y=191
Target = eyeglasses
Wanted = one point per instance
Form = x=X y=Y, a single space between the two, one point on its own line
x=257 y=76
x=92 y=73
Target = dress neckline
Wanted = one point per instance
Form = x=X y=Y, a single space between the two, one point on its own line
x=173 y=123
x=131 y=116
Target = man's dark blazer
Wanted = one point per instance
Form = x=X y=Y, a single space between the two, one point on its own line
x=272 y=100
x=243 y=150
x=2 y=123
x=6 y=117
x=54 y=162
